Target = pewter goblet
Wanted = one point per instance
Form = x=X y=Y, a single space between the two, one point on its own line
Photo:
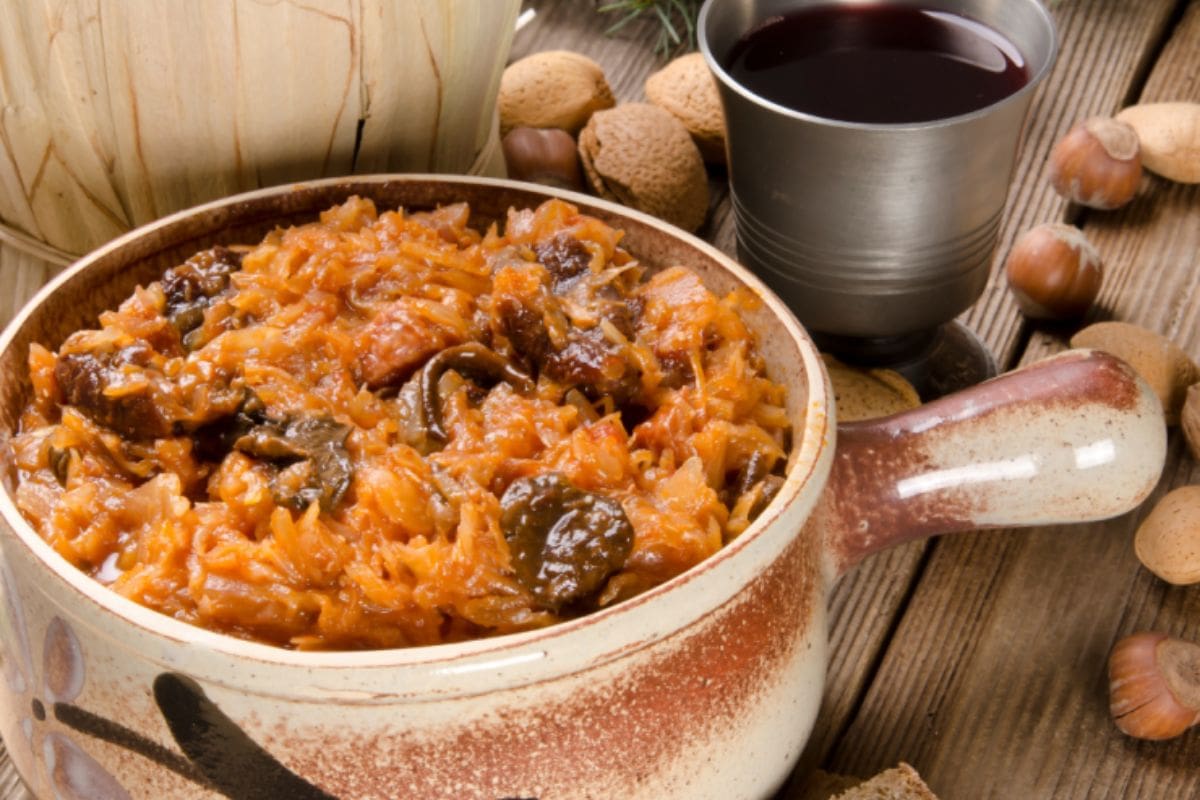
x=876 y=235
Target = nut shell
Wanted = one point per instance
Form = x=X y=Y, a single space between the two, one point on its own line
x=687 y=90
x=552 y=89
x=641 y=156
x=1154 y=685
x=1170 y=138
x=1097 y=163
x=1168 y=540
x=1159 y=361
x=1054 y=272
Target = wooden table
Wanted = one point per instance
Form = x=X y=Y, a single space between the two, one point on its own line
x=981 y=658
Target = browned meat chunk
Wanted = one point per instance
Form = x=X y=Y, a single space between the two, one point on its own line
x=521 y=304
x=595 y=365
x=122 y=387
x=401 y=337
x=528 y=309
x=565 y=258
x=85 y=378
x=676 y=312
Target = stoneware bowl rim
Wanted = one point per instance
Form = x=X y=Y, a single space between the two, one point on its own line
x=805 y=481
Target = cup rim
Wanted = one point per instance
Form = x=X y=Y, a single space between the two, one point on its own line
x=811 y=460
x=1035 y=80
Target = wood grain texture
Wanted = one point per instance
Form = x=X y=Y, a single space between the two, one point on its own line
x=113 y=114
x=1104 y=47
x=995 y=684
x=21 y=275
x=864 y=608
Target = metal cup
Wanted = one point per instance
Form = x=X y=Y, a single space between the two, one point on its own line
x=872 y=230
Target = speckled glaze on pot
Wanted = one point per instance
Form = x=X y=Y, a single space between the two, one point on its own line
x=705 y=687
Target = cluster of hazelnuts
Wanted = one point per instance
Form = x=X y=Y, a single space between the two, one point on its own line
x=1054 y=272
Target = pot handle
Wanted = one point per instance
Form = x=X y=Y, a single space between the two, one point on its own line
x=1073 y=438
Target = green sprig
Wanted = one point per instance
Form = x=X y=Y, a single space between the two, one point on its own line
x=676 y=20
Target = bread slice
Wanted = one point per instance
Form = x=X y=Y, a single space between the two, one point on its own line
x=899 y=783
x=822 y=785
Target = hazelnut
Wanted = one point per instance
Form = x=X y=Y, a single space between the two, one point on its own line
x=1154 y=685
x=1097 y=163
x=686 y=88
x=543 y=155
x=641 y=156
x=1054 y=272
x=1159 y=361
x=1168 y=540
x=552 y=89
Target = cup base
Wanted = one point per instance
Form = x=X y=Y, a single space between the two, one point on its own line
x=937 y=361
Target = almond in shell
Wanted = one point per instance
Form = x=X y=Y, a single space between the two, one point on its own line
x=1160 y=362
x=687 y=90
x=641 y=156
x=552 y=89
x=1169 y=134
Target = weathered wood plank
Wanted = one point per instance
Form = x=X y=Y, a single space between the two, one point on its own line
x=1104 y=46
x=994 y=684
x=863 y=609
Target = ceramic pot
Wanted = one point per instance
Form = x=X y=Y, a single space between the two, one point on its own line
x=704 y=687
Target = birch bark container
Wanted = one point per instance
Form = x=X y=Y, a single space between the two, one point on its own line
x=113 y=113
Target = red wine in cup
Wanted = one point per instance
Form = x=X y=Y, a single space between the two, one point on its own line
x=877 y=64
